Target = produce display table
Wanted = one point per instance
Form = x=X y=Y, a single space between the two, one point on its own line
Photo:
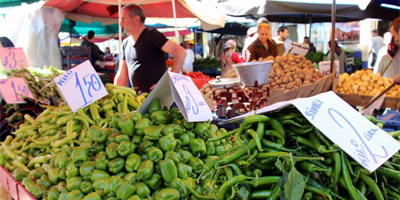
x=362 y=100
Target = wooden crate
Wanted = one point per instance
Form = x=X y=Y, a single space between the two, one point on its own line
x=322 y=85
x=362 y=100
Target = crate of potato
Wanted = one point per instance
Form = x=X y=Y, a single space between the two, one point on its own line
x=360 y=87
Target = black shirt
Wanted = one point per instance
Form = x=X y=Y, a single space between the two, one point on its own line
x=95 y=53
x=145 y=59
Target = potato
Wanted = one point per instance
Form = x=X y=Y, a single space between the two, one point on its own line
x=295 y=76
x=278 y=59
x=289 y=74
x=306 y=82
x=254 y=60
x=276 y=87
x=275 y=65
x=283 y=86
x=278 y=82
x=208 y=89
x=271 y=74
x=273 y=84
x=209 y=94
x=308 y=77
x=291 y=59
x=308 y=62
x=278 y=73
x=270 y=58
x=206 y=86
x=295 y=86
x=297 y=60
x=269 y=80
x=290 y=86
x=276 y=78
x=299 y=82
x=260 y=59
x=320 y=74
x=315 y=75
x=286 y=67
x=290 y=54
x=301 y=76
x=313 y=80
x=304 y=59
x=293 y=68
x=299 y=71
x=287 y=70
x=291 y=79
x=285 y=80
x=299 y=57
x=202 y=90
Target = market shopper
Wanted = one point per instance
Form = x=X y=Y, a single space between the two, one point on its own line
x=338 y=54
x=262 y=47
x=143 y=56
x=229 y=57
x=283 y=34
x=391 y=67
x=95 y=53
x=377 y=44
x=311 y=45
x=188 y=64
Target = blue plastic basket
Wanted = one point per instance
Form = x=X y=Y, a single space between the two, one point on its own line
x=392 y=121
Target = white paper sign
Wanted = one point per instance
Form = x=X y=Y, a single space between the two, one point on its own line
x=297 y=49
x=181 y=89
x=12 y=87
x=80 y=86
x=357 y=136
x=325 y=68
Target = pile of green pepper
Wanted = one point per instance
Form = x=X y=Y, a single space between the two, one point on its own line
x=110 y=151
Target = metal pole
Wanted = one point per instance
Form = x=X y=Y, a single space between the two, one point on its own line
x=333 y=44
x=119 y=34
x=309 y=36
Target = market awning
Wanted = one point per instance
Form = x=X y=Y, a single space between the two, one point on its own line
x=106 y=11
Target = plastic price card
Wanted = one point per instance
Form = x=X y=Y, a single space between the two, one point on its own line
x=12 y=87
x=13 y=58
x=80 y=86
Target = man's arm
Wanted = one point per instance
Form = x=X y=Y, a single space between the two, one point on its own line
x=121 y=78
x=179 y=55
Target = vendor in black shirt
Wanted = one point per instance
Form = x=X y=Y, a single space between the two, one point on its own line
x=95 y=53
x=143 y=57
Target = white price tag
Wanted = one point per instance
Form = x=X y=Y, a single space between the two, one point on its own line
x=80 y=86
x=296 y=48
x=325 y=68
x=357 y=136
x=181 y=89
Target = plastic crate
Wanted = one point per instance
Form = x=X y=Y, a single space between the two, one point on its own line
x=357 y=54
x=391 y=119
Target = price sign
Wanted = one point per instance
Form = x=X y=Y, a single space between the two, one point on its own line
x=181 y=89
x=80 y=86
x=356 y=135
x=13 y=58
x=296 y=48
x=325 y=68
x=11 y=88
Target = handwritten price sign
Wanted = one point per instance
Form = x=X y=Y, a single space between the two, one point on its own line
x=297 y=49
x=13 y=58
x=325 y=68
x=80 y=86
x=11 y=88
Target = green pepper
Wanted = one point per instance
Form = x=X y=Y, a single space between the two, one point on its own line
x=125 y=190
x=154 y=182
x=115 y=119
x=198 y=147
x=99 y=174
x=177 y=184
x=121 y=138
x=101 y=161
x=92 y=196
x=72 y=170
x=74 y=183
x=187 y=125
x=152 y=133
x=155 y=154
x=178 y=129
x=87 y=169
x=168 y=193
x=167 y=143
x=135 y=116
x=53 y=194
x=142 y=125
x=87 y=187
x=142 y=190
x=134 y=197
x=63 y=196
x=19 y=174
x=59 y=157
x=167 y=130
x=100 y=184
x=133 y=162
x=168 y=170
x=210 y=148
x=116 y=165
x=112 y=185
x=54 y=175
x=62 y=175
x=127 y=126
x=75 y=194
x=155 y=105
x=173 y=156
x=113 y=137
x=112 y=150
x=184 y=140
x=185 y=155
x=101 y=135
x=26 y=180
x=79 y=155
x=39 y=191
x=145 y=146
x=184 y=171
x=200 y=129
x=125 y=148
x=131 y=177
x=145 y=170
x=137 y=139
x=159 y=117
x=196 y=164
x=62 y=187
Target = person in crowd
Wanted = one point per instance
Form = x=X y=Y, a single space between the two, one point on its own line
x=229 y=57
x=339 y=54
x=143 y=55
x=188 y=64
x=377 y=44
x=311 y=45
x=108 y=55
x=199 y=49
x=390 y=67
x=252 y=36
x=95 y=53
x=282 y=38
x=382 y=58
x=263 y=46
